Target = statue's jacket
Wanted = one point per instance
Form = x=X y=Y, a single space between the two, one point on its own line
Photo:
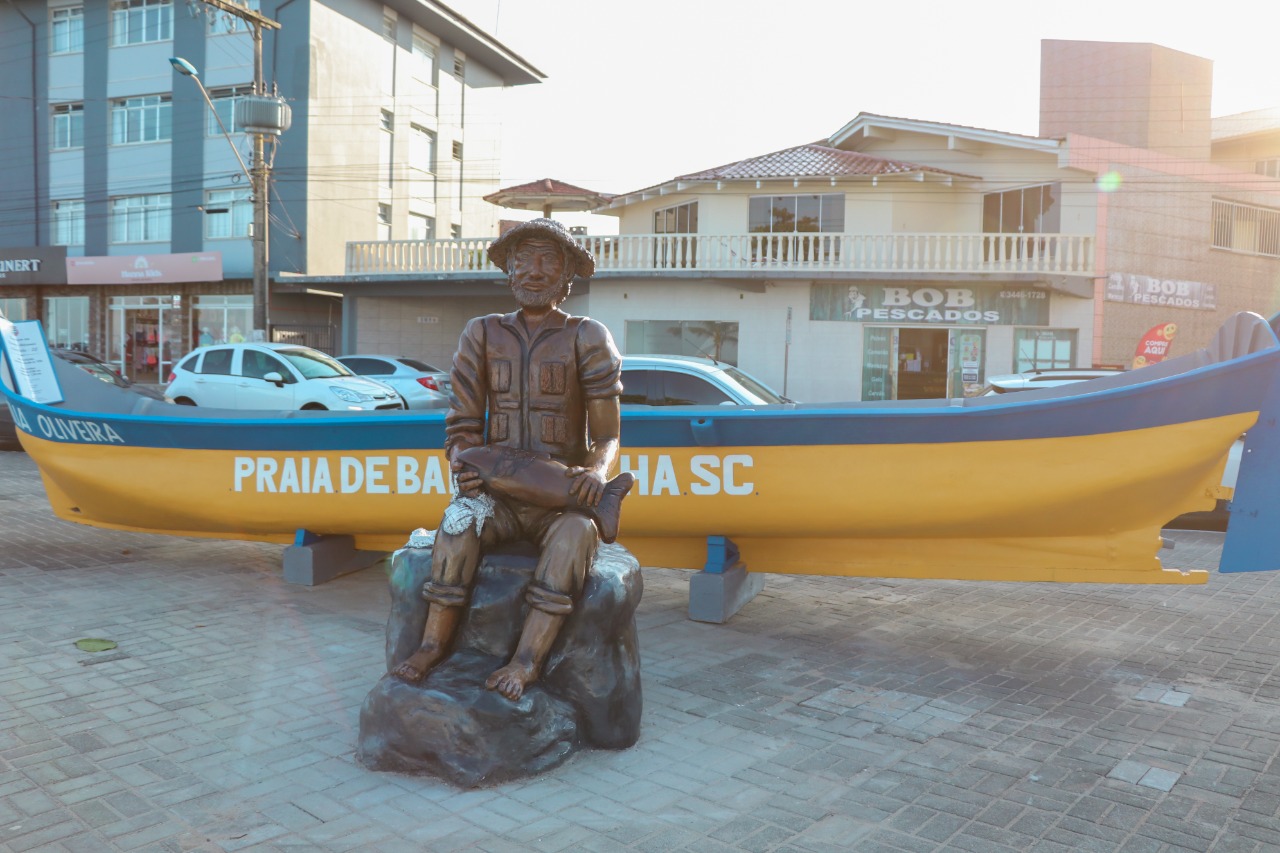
x=533 y=389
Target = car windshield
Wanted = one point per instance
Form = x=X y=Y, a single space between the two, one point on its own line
x=99 y=371
x=313 y=364
x=763 y=392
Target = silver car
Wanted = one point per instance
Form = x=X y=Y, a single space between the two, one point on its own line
x=683 y=380
x=421 y=385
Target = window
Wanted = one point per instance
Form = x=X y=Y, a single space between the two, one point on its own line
x=457 y=159
x=676 y=252
x=787 y=214
x=455 y=231
x=141 y=21
x=681 y=219
x=228 y=213
x=224 y=22
x=147 y=118
x=256 y=365
x=1246 y=228
x=66 y=322
x=68 y=126
x=217 y=361
x=219 y=319
x=459 y=65
x=224 y=107
x=384 y=222
x=682 y=389
x=389 y=26
x=66 y=30
x=1270 y=168
x=68 y=222
x=422 y=148
x=140 y=219
x=421 y=227
x=386 y=149
x=370 y=366
x=1027 y=210
x=1043 y=349
x=424 y=54
x=713 y=338
x=13 y=309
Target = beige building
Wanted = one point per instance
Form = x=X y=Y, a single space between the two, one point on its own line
x=904 y=259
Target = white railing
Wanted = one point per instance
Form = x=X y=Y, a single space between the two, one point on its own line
x=860 y=253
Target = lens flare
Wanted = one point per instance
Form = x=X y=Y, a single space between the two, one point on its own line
x=1109 y=182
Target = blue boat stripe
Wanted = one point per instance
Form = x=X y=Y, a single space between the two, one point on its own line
x=1214 y=391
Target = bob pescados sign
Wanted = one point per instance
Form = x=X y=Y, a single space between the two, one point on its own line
x=930 y=303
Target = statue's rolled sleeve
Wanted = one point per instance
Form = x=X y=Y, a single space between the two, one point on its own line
x=599 y=364
x=464 y=423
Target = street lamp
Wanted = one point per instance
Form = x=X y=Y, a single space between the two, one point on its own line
x=261 y=115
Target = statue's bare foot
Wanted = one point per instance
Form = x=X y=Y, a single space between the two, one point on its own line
x=418 y=664
x=512 y=679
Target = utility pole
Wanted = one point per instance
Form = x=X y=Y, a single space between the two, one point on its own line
x=262 y=115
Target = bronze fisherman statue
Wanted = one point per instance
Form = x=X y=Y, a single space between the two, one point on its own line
x=531 y=435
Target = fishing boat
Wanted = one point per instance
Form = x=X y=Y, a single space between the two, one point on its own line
x=1072 y=483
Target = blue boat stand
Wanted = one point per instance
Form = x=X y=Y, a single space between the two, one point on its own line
x=316 y=558
x=1251 y=543
x=716 y=593
x=724 y=585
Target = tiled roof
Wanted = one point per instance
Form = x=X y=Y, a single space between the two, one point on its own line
x=810 y=161
x=1243 y=124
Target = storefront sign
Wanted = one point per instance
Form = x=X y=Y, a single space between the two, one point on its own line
x=1154 y=345
x=1161 y=292
x=929 y=303
x=145 y=269
x=35 y=265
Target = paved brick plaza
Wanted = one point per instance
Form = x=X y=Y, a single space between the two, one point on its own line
x=831 y=714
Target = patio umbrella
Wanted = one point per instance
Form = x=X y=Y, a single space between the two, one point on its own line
x=548 y=194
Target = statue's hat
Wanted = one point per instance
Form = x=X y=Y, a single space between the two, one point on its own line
x=548 y=229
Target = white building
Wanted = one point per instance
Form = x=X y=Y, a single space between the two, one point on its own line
x=902 y=258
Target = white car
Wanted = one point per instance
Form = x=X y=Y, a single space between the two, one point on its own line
x=421 y=385
x=1046 y=378
x=681 y=380
x=273 y=376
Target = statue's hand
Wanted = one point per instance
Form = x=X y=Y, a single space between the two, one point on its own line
x=469 y=482
x=588 y=485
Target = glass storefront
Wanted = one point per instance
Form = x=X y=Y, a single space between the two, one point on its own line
x=221 y=319
x=145 y=336
x=66 y=322
x=14 y=310
x=913 y=363
x=1043 y=349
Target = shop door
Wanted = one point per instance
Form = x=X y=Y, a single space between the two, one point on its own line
x=922 y=362
x=139 y=346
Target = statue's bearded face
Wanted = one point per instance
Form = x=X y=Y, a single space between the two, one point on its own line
x=539 y=273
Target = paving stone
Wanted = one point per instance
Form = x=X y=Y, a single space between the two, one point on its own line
x=830 y=714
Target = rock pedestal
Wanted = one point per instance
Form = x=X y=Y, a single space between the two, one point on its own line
x=452 y=726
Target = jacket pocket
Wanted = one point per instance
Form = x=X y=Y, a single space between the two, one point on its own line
x=555 y=429
x=551 y=377
x=499 y=427
x=500 y=375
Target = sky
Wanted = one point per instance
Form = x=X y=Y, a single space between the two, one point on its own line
x=638 y=93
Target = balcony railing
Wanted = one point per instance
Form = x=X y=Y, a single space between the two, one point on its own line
x=761 y=253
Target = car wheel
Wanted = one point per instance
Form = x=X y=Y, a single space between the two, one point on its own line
x=314 y=407
x=184 y=401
